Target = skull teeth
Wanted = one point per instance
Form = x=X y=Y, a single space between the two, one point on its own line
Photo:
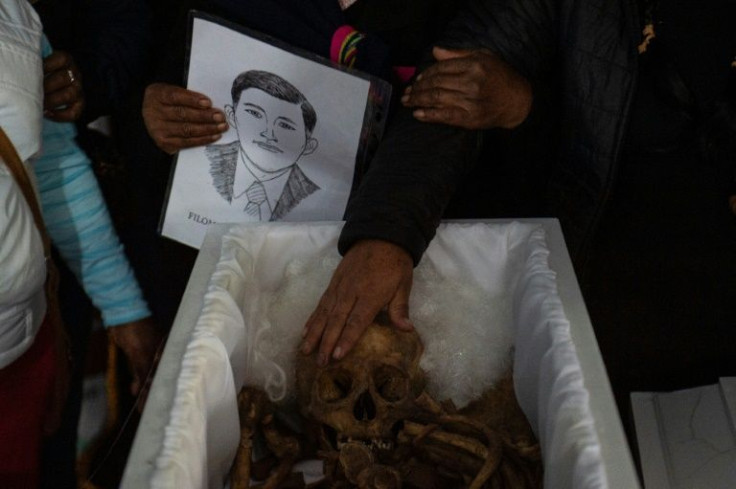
x=383 y=444
x=374 y=443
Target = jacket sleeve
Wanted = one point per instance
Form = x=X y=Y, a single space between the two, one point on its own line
x=409 y=182
x=523 y=32
x=418 y=166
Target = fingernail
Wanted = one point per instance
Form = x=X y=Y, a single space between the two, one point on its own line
x=407 y=90
x=218 y=117
x=215 y=137
x=404 y=99
x=419 y=76
x=321 y=359
x=337 y=354
x=203 y=102
x=222 y=126
x=419 y=114
x=305 y=347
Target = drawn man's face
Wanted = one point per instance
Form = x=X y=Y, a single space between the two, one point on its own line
x=271 y=131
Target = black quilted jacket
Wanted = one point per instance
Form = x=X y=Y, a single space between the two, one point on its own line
x=579 y=55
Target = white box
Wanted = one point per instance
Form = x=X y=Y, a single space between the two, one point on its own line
x=188 y=433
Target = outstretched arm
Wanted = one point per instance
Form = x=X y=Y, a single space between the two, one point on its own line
x=389 y=223
x=418 y=166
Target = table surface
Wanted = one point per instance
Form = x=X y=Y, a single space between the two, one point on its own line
x=614 y=447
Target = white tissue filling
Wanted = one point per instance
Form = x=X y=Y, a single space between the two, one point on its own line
x=466 y=334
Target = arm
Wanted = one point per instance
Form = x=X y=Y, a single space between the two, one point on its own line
x=389 y=224
x=417 y=168
x=475 y=89
x=496 y=56
x=175 y=117
x=80 y=227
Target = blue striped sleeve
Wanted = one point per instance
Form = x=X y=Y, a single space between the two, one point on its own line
x=80 y=227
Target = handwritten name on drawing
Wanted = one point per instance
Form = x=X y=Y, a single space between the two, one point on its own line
x=200 y=219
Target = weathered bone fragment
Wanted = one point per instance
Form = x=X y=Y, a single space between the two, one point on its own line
x=252 y=406
x=256 y=412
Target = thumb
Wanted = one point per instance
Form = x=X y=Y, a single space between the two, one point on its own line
x=442 y=54
x=398 y=310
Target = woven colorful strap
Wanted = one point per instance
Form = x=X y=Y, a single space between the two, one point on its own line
x=404 y=73
x=344 y=46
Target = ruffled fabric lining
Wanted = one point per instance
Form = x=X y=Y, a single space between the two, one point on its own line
x=201 y=435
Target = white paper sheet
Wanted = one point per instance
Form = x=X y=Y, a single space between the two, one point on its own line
x=686 y=438
x=275 y=163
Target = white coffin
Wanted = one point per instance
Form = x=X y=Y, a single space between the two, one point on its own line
x=189 y=430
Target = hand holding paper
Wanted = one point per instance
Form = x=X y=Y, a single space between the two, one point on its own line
x=177 y=118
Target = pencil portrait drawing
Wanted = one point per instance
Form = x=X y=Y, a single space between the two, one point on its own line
x=260 y=172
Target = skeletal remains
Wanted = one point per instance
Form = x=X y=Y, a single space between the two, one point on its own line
x=375 y=427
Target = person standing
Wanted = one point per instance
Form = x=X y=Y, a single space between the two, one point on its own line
x=31 y=359
x=641 y=174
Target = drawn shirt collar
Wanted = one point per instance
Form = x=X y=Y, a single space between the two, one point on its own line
x=246 y=174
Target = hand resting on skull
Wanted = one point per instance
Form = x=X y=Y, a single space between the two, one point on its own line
x=372 y=276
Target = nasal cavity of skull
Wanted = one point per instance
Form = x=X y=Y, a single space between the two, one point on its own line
x=334 y=385
x=364 y=408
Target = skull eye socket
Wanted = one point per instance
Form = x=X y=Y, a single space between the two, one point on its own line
x=334 y=385
x=391 y=383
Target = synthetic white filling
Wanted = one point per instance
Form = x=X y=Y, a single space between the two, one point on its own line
x=466 y=333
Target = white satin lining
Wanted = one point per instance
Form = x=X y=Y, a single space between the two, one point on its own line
x=201 y=435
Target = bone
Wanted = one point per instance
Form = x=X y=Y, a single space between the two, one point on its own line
x=474 y=458
x=469 y=445
x=286 y=448
x=252 y=406
x=379 y=477
x=354 y=458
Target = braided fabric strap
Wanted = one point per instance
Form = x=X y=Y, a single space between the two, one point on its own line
x=344 y=46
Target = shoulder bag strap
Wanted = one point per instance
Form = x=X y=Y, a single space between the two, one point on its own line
x=15 y=165
x=53 y=311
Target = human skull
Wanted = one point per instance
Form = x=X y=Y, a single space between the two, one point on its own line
x=365 y=395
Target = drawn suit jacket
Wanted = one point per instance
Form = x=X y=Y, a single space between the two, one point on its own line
x=223 y=161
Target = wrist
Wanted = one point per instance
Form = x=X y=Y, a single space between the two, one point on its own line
x=521 y=105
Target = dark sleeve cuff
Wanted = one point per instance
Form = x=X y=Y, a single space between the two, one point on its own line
x=411 y=240
x=540 y=106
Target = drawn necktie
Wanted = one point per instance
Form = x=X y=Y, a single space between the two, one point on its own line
x=256 y=195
